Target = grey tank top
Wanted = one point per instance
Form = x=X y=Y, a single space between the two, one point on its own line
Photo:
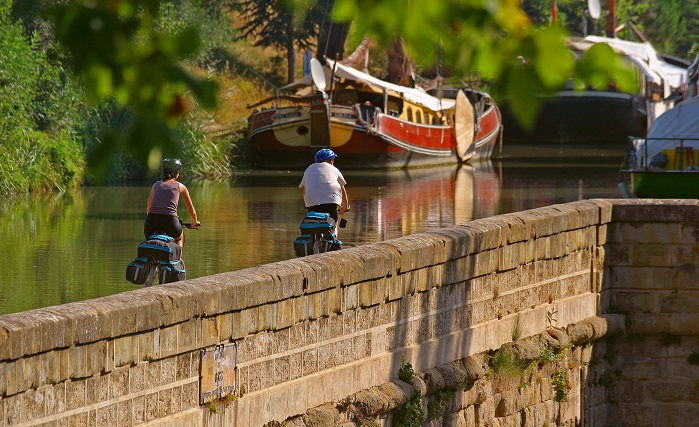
x=166 y=196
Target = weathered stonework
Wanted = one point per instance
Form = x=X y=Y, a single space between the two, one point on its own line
x=320 y=339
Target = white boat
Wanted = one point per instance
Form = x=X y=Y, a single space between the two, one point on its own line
x=665 y=164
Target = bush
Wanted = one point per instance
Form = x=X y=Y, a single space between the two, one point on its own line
x=40 y=112
x=210 y=21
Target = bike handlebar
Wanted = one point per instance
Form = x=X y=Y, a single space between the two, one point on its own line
x=191 y=226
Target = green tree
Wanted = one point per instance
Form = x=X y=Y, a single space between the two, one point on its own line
x=117 y=52
x=283 y=24
x=673 y=26
x=39 y=108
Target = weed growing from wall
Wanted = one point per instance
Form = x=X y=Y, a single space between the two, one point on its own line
x=517 y=330
x=411 y=413
x=560 y=386
x=551 y=318
x=437 y=406
x=504 y=363
x=693 y=358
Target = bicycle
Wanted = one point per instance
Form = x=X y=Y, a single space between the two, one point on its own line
x=159 y=256
x=318 y=234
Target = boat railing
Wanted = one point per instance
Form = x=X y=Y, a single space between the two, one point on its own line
x=665 y=153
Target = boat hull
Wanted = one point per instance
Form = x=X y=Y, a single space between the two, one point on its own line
x=363 y=138
x=666 y=184
x=571 y=117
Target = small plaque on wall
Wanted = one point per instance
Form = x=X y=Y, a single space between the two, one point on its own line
x=218 y=372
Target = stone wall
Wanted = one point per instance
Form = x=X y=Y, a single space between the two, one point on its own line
x=651 y=276
x=317 y=330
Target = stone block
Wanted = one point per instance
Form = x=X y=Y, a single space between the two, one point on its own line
x=482 y=262
x=674 y=414
x=660 y=210
x=164 y=403
x=458 y=241
x=168 y=370
x=151 y=407
x=124 y=413
x=190 y=395
x=248 y=321
x=259 y=285
x=509 y=256
x=55 y=330
x=370 y=262
x=125 y=350
x=231 y=287
x=167 y=342
x=488 y=233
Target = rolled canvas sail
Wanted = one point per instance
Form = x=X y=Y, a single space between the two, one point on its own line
x=464 y=127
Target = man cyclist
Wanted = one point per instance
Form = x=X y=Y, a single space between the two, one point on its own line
x=163 y=201
x=324 y=186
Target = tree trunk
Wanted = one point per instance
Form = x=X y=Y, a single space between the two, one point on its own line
x=331 y=40
x=291 y=56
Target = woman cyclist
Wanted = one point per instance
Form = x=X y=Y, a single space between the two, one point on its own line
x=324 y=186
x=163 y=201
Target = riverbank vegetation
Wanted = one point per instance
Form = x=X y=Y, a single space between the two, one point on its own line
x=50 y=128
x=52 y=124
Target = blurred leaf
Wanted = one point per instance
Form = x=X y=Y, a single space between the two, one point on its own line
x=600 y=66
x=117 y=52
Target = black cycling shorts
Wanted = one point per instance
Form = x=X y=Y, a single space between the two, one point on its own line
x=328 y=208
x=162 y=224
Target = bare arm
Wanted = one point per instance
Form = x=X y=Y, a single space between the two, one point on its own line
x=184 y=192
x=150 y=198
x=345 y=202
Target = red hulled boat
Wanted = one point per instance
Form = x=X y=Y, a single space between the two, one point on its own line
x=371 y=123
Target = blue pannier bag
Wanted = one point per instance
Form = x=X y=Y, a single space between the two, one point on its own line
x=317 y=221
x=161 y=248
x=172 y=271
x=136 y=271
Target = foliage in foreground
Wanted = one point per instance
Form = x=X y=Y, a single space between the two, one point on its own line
x=39 y=107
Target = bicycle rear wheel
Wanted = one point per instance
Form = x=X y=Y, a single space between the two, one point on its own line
x=153 y=273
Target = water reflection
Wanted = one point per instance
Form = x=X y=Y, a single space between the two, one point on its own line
x=75 y=247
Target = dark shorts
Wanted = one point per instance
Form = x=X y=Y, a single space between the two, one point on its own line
x=328 y=208
x=162 y=224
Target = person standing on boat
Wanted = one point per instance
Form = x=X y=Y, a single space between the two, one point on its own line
x=163 y=201
x=324 y=186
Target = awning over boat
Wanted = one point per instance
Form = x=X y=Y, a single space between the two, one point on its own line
x=677 y=122
x=657 y=70
x=415 y=95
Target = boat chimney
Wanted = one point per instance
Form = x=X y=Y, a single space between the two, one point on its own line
x=611 y=18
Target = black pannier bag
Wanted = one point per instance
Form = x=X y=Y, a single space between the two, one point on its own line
x=136 y=271
x=160 y=247
x=303 y=245
x=314 y=223
x=172 y=271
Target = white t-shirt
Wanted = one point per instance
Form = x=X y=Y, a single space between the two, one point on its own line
x=323 y=184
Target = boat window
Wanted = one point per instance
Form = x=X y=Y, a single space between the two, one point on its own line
x=410 y=114
x=418 y=116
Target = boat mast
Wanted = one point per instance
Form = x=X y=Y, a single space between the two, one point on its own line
x=611 y=19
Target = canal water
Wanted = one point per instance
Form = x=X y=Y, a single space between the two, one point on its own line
x=63 y=248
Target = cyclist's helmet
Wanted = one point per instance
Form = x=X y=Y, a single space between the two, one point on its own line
x=325 y=154
x=171 y=166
